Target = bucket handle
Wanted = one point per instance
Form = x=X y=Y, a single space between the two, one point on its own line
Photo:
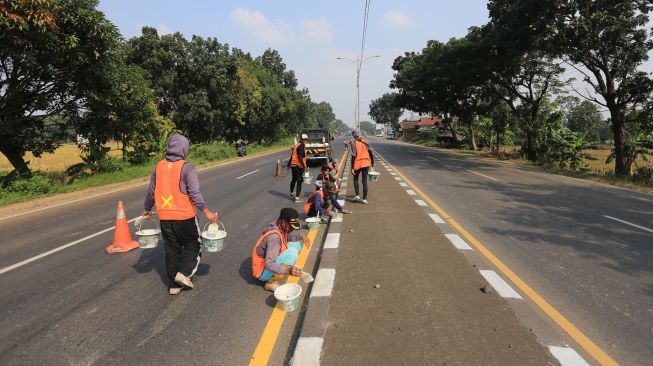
x=218 y=222
x=147 y=219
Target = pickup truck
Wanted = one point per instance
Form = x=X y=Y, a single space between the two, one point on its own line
x=318 y=148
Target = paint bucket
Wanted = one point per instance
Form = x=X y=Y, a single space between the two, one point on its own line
x=148 y=238
x=313 y=223
x=374 y=175
x=288 y=296
x=213 y=240
x=307 y=178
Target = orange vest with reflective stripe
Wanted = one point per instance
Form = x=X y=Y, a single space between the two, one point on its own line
x=258 y=255
x=295 y=157
x=309 y=201
x=362 y=156
x=170 y=202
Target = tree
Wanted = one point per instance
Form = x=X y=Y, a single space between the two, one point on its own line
x=384 y=109
x=368 y=128
x=585 y=116
x=325 y=115
x=46 y=69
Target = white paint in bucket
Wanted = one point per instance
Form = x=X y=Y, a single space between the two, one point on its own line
x=288 y=296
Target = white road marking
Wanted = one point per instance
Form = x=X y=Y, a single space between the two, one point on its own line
x=567 y=356
x=628 y=223
x=403 y=184
x=437 y=219
x=250 y=173
x=411 y=151
x=323 y=285
x=307 y=351
x=343 y=184
x=393 y=173
x=411 y=192
x=346 y=177
x=482 y=175
x=45 y=254
x=342 y=202
x=503 y=289
x=332 y=241
x=456 y=240
x=421 y=203
x=337 y=218
x=397 y=178
x=432 y=158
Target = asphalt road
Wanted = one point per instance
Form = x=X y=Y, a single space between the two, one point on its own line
x=81 y=306
x=554 y=232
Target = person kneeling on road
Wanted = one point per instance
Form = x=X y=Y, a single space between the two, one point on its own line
x=330 y=192
x=316 y=204
x=277 y=250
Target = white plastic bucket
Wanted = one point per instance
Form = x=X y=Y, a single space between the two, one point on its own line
x=288 y=296
x=374 y=175
x=313 y=223
x=307 y=178
x=148 y=238
x=214 y=240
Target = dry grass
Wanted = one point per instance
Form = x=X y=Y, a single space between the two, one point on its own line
x=62 y=158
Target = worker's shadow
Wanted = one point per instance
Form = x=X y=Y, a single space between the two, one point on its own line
x=245 y=272
x=154 y=259
x=277 y=193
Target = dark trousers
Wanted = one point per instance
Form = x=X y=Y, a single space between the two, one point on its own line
x=182 y=246
x=296 y=178
x=363 y=172
x=312 y=212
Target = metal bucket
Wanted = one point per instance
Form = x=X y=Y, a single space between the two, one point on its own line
x=214 y=241
x=313 y=223
x=288 y=296
x=148 y=238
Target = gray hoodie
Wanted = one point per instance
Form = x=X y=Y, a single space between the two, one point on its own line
x=177 y=149
x=272 y=245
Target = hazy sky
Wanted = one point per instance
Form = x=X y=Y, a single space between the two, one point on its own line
x=311 y=34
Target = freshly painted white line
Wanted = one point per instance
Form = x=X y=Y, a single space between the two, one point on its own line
x=628 y=223
x=499 y=285
x=432 y=158
x=411 y=151
x=482 y=175
x=332 y=240
x=337 y=218
x=411 y=192
x=345 y=178
x=397 y=178
x=343 y=184
x=437 y=219
x=323 y=285
x=421 y=203
x=393 y=173
x=45 y=254
x=567 y=356
x=456 y=240
x=403 y=184
x=342 y=202
x=250 y=173
x=307 y=351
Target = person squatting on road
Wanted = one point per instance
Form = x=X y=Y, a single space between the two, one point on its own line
x=298 y=166
x=175 y=191
x=277 y=250
x=316 y=203
x=361 y=160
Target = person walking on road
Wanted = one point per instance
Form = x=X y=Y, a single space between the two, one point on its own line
x=175 y=191
x=276 y=251
x=298 y=166
x=361 y=161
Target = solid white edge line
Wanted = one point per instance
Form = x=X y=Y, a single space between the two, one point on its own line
x=323 y=285
x=567 y=356
x=628 y=223
x=421 y=203
x=307 y=351
x=437 y=219
x=411 y=192
x=332 y=241
x=57 y=249
x=456 y=240
x=250 y=173
x=502 y=288
x=482 y=175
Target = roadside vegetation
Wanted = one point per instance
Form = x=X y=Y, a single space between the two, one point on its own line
x=508 y=83
x=67 y=75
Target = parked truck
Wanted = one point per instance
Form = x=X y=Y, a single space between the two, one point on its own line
x=318 y=148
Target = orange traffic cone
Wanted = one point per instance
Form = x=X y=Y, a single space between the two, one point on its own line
x=279 y=172
x=122 y=238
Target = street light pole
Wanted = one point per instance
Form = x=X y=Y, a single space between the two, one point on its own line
x=359 y=64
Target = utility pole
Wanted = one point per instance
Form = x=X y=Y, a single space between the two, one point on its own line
x=359 y=64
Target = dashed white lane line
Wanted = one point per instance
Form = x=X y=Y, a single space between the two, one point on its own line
x=567 y=356
x=332 y=241
x=337 y=218
x=411 y=151
x=411 y=192
x=323 y=285
x=455 y=239
x=45 y=254
x=503 y=289
x=437 y=219
x=432 y=158
x=403 y=184
x=343 y=184
x=397 y=178
x=393 y=173
x=341 y=202
x=307 y=351
x=628 y=223
x=421 y=203
x=482 y=175
x=250 y=173
x=345 y=178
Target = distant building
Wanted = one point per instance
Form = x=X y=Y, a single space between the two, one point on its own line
x=409 y=128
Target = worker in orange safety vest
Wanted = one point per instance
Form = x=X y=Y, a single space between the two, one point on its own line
x=361 y=161
x=298 y=166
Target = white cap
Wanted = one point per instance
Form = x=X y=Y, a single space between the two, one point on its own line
x=304 y=136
